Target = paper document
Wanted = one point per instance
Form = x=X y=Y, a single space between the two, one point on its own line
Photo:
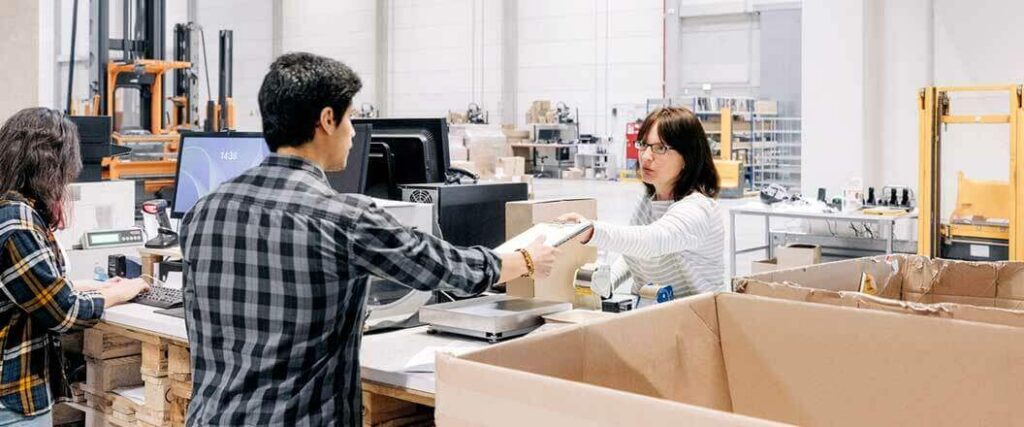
x=423 y=362
x=555 y=234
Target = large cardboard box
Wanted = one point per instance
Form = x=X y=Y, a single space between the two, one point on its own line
x=733 y=359
x=520 y=216
x=908 y=278
x=764 y=265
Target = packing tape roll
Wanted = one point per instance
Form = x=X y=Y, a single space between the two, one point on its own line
x=657 y=293
x=649 y=292
x=584 y=276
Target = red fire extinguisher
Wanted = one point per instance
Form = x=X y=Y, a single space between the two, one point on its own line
x=632 y=133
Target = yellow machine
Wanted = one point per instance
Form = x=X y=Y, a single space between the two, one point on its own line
x=730 y=172
x=987 y=222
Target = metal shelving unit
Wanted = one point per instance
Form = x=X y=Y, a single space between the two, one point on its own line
x=775 y=152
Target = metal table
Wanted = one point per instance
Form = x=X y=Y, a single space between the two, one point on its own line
x=886 y=223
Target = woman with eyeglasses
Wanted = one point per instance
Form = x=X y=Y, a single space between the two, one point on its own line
x=676 y=235
x=38 y=159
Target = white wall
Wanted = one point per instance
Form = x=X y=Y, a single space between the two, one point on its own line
x=864 y=63
x=444 y=54
x=342 y=30
x=899 y=62
x=592 y=55
x=833 y=93
x=252 y=22
x=975 y=44
x=20 y=50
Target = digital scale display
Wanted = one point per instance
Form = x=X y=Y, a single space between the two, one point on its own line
x=112 y=238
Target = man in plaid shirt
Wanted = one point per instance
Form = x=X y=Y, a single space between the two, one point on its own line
x=277 y=264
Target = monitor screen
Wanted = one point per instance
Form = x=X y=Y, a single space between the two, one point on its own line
x=353 y=178
x=418 y=150
x=547 y=134
x=209 y=159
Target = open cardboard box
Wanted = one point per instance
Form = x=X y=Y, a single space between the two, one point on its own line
x=733 y=359
x=964 y=290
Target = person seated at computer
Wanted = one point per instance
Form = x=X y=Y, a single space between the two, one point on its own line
x=38 y=159
x=276 y=264
x=676 y=234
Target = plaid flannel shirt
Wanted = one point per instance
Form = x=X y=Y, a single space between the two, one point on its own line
x=275 y=287
x=37 y=304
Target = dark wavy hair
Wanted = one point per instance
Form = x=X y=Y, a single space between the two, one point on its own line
x=39 y=158
x=299 y=86
x=681 y=131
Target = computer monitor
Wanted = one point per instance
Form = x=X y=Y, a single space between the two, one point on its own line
x=353 y=178
x=208 y=159
x=419 y=148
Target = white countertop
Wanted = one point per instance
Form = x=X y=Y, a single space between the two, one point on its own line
x=142 y=318
x=402 y=358
x=405 y=358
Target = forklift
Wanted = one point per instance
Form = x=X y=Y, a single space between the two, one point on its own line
x=986 y=224
x=130 y=90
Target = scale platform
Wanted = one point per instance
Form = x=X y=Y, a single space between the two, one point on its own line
x=494 y=317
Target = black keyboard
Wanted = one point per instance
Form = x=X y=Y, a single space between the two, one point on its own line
x=160 y=297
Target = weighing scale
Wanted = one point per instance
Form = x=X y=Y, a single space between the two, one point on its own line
x=493 y=318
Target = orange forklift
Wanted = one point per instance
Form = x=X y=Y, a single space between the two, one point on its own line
x=131 y=91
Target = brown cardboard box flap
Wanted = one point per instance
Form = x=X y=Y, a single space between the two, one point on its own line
x=914 y=278
x=1010 y=281
x=985 y=310
x=470 y=393
x=812 y=364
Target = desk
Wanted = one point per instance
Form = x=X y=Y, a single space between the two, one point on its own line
x=886 y=223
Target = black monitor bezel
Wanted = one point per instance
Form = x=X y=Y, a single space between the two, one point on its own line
x=361 y=130
x=430 y=124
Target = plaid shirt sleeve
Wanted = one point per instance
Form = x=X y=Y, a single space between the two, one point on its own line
x=383 y=247
x=34 y=283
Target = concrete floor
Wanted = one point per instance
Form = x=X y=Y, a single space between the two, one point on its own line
x=616 y=201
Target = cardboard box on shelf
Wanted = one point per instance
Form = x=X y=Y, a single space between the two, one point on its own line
x=798 y=255
x=764 y=265
x=733 y=359
x=512 y=166
x=520 y=216
x=966 y=290
x=516 y=135
x=485 y=152
x=764 y=107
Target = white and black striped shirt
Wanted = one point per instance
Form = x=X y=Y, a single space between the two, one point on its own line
x=677 y=243
x=275 y=286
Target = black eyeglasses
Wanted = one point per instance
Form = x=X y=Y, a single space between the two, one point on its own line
x=658 y=149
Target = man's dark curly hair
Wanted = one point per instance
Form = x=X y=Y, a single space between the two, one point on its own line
x=298 y=86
